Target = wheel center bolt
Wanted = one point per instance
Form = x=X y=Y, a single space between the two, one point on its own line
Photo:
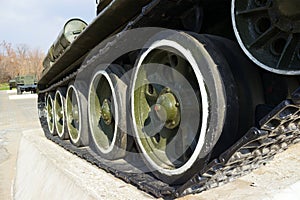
x=75 y=114
x=59 y=114
x=105 y=112
x=160 y=112
x=167 y=109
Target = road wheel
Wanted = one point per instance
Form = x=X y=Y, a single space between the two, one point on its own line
x=75 y=116
x=182 y=93
x=107 y=114
x=50 y=113
x=59 y=110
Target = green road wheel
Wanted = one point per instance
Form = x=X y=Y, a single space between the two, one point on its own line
x=73 y=114
x=59 y=110
x=107 y=115
x=179 y=103
x=50 y=114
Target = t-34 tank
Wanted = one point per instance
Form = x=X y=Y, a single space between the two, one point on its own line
x=206 y=96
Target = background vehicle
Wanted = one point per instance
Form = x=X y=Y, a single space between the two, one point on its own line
x=202 y=99
x=27 y=83
x=12 y=84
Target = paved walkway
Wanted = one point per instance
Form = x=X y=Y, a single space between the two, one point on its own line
x=17 y=113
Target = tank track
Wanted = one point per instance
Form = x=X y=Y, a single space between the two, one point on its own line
x=276 y=132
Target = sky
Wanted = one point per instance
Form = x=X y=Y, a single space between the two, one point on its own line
x=37 y=23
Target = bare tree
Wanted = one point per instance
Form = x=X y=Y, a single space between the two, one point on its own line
x=20 y=60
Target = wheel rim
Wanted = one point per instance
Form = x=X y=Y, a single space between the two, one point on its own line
x=59 y=113
x=50 y=114
x=159 y=110
x=269 y=32
x=103 y=116
x=73 y=114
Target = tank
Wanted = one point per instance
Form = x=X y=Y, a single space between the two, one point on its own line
x=176 y=97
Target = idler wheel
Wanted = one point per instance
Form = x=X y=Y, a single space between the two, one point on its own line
x=268 y=31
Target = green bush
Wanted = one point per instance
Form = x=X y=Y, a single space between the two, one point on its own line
x=4 y=86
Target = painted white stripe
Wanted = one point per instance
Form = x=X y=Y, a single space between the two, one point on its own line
x=23 y=96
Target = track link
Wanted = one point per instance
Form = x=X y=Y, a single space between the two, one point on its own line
x=276 y=132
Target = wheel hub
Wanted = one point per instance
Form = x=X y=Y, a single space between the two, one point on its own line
x=285 y=14
x=75 y=113
x=105 y=112
x=167 y=109
x=288 y=8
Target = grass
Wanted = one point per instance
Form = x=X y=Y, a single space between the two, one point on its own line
x=4 y=86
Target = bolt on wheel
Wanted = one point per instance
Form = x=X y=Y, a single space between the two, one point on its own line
x=107 y=115
x=59 y=110
x=50 y=114
x=269 y=33
x=177 y=105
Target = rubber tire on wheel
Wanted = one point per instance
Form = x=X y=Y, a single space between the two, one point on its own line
x=249 y=92
x=221 y=93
